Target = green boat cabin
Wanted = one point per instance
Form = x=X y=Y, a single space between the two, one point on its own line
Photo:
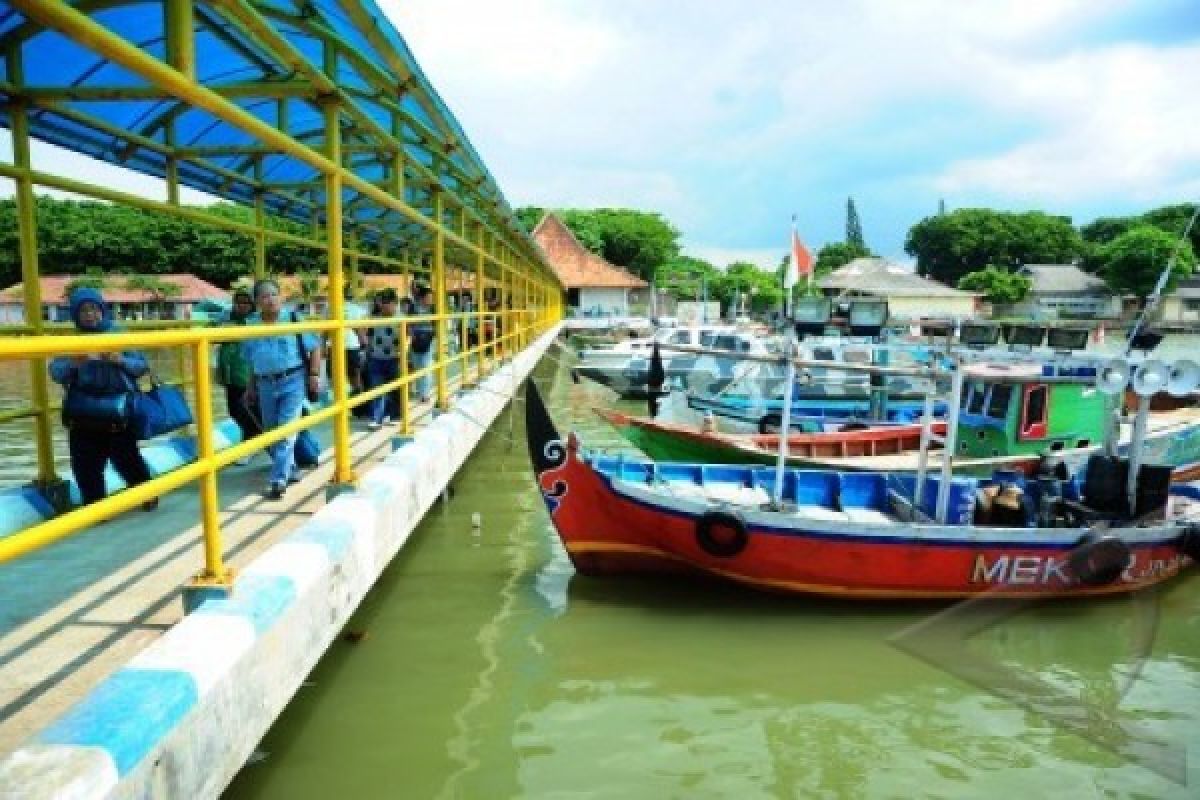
x=1019 y=410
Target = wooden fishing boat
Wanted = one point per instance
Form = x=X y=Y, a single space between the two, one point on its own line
x=665 y=441
x=1010 y=417
x=864 y=535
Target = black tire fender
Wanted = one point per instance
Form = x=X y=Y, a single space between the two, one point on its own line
x=1098 y=560
x=721 y=533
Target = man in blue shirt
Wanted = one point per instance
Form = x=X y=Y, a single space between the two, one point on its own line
x=283 y=369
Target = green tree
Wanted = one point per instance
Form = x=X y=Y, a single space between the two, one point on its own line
x=685 y=277
x=997 y=285
x=93 y=278
x=746 y=285
x=1132 y=262
x=854 y=234
x=529 y=216
x=949 y=246
x=837 y=254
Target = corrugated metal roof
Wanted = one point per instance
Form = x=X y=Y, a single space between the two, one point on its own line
x=1063 y=279
x=882 y=277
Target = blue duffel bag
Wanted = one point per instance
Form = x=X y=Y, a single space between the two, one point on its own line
x=159 y=410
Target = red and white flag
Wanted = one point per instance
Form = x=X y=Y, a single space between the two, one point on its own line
x=801 y=264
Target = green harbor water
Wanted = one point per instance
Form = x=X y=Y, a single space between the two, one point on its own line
x=481 y=666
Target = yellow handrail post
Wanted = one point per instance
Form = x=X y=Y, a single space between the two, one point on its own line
x=439 y=298
x=402 y=354
x=28 y=246
x=215 y=573
x=480 y=308
x=343 y=471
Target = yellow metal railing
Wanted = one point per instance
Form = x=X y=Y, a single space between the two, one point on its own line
x=511 y=329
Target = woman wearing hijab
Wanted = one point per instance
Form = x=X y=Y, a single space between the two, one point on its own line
x=100 y=375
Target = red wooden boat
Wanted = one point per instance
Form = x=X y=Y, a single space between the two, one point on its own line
x=859 y=534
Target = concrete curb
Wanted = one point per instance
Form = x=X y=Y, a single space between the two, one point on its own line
x=182 y=717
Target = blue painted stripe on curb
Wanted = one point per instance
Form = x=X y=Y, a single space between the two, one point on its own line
x=127 y=715
x=335 y=537
x=38 y=501
x=259 y=598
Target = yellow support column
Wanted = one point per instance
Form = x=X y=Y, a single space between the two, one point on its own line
x=438 y=280
x=343 y=471
x=181 y=39
x=480 y=307
x=28 y=247
x=260 y=222
x=215 y=574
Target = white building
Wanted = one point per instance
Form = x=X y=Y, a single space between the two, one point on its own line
x=908 y=295
x=1064 y=290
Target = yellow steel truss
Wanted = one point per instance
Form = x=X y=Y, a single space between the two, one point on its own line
x=435 y=209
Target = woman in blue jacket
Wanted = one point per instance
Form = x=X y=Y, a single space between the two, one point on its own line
x=100 y=374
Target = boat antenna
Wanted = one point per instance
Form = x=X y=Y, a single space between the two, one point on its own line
x=1152 y=301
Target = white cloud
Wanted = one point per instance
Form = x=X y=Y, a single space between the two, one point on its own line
x=726 y=116
x=1117 y=121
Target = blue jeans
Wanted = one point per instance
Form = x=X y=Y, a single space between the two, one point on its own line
x=281 y=402
x=379 y=372
x=418 y=361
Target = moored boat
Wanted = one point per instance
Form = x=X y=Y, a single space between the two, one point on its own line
x=864 y=535
x=1010 y=417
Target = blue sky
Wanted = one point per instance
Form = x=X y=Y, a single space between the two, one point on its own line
x=731 y=116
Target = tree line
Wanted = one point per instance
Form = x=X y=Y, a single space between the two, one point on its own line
x=974 y=248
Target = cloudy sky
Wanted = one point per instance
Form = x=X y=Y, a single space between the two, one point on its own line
x=729 y=116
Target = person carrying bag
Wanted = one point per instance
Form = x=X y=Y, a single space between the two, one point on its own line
x=99 y=403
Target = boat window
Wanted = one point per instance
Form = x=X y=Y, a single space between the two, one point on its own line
x=977 y=398
x=680 y=337
x=725 y=343
x=997 y=406
x=707 y=339
x=1033 y=422
x=822 y=354
x=743 y=346
x=965 y=400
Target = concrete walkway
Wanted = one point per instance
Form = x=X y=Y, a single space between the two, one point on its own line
x=76 y=611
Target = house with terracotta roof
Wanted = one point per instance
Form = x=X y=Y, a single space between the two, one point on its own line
x=594 y=286
x=123 y=296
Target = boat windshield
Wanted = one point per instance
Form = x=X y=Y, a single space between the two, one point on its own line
x=998 y=402
x=978 y=395
x=734 y=344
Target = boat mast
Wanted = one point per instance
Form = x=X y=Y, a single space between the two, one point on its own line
x=789 y=349
x=950 y=441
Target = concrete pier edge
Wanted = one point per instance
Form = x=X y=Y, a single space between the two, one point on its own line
x=181 y=718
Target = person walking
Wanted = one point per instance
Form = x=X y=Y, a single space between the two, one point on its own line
x=284 y=369
x=233 y=371
x=102 y=378
x=383 y=353
x=420 y=341
x=355 y=339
